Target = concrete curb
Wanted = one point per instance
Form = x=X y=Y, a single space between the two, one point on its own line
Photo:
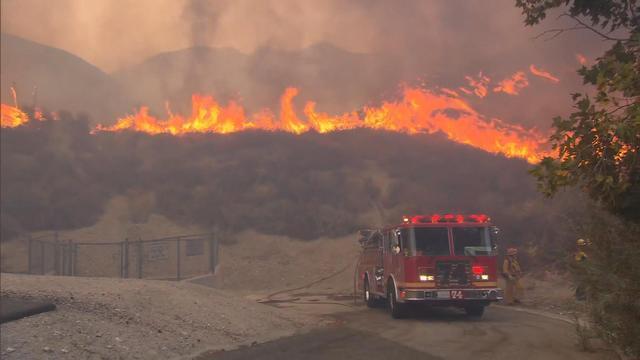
x=545 y=314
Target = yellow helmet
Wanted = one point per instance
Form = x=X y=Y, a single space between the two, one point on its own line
x=581 y=242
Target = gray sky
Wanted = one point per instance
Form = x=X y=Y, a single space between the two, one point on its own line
x=445 y=43
x=116 y=33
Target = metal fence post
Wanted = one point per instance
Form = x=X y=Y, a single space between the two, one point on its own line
x=140 y=258
x=178 y=257
x=74 y=263
x=42 y=257
x=56 y=254
x=29 y=245
x=212 y=265
x=126 y=257
x=69 y=257
x=122 y=259
x=63 y=253
x=216 y=251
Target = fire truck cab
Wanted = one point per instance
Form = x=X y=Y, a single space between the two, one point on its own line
x=438 y=260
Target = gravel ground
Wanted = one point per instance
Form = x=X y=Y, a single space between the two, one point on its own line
x=100 y=318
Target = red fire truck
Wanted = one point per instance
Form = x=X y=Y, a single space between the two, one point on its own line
x=440 y=260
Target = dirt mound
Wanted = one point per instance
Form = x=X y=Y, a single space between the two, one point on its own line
x=266 y=263
x=123 y=218
x=113 y=318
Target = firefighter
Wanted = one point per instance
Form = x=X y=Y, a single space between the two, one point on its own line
x=580 y=256
x=512 y=274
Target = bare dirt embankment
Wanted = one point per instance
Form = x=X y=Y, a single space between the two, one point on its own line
x=259 y=263
x=99 y=318
x=124 y=217
x=116 y=318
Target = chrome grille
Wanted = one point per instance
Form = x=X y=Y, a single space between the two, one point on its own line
x=453 y=273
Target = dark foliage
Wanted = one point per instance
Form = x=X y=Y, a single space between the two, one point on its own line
x=57 y=175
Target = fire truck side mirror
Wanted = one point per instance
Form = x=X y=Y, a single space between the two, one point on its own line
x=493 y=232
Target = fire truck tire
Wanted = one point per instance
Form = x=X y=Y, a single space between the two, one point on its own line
x=397 y=310
x=369 y=298
x=474 y=310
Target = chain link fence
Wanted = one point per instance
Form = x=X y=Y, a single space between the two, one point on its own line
x=176 y=257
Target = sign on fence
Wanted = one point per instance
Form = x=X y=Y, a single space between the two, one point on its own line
x=158 y=251
x=166 y=258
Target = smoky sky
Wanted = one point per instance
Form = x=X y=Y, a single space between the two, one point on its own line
x=115 y=33
x=439 y=42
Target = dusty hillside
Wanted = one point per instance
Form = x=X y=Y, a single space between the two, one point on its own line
x=124 y=217
x=260 y=263
x=63 y=80
x=128 y=217
x=108 y=318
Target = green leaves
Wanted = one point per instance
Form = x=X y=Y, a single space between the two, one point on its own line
x=598 y=150
x=599 y=143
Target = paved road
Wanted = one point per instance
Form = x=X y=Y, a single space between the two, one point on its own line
x=371 y=334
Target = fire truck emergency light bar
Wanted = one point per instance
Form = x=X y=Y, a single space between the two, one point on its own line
x=447 y=218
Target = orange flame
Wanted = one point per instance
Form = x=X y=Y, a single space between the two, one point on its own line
x=513 y=85
x=11 y=116
x=581 y=59
x=543 y=74
x=478 y=84
x=417 y=111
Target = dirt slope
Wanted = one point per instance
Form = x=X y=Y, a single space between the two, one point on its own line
x=113 y=318
x=266 y=263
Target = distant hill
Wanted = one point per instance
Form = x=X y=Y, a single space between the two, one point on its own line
x=337 y=79
x=63 y=80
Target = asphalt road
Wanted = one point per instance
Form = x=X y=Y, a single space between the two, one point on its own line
x=503 y=333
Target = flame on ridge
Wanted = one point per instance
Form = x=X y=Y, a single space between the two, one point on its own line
x=543 y=74
x=417 y=111
x=11 y=116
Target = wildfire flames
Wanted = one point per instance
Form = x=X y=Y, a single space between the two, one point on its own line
x=11 y=116
x=417 y=111
x=543 y=74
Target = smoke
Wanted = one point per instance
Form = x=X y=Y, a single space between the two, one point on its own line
x=201 y=16
x=341 y=54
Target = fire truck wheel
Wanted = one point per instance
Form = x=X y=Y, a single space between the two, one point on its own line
x=398 y=310
x=474 y=310
x=369 y=298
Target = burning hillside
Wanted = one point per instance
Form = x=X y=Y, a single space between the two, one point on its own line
x=11 y=116
x=416 y=111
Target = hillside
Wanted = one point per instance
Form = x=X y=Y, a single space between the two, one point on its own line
x=56 y=175
x=63 y=80
x=337 y=79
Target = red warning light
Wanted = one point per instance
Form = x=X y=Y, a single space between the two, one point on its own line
x=447 y=218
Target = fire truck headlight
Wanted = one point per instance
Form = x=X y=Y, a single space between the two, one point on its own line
x=427 y=278
x=485 y=277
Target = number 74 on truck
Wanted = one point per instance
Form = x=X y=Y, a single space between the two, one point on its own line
x=430 y=260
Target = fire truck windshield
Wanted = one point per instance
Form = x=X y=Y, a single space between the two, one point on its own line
x=427 y=241
x=471 y=241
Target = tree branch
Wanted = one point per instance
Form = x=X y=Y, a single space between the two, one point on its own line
x=557 y=32
x=603 y=35
x=619 y=108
